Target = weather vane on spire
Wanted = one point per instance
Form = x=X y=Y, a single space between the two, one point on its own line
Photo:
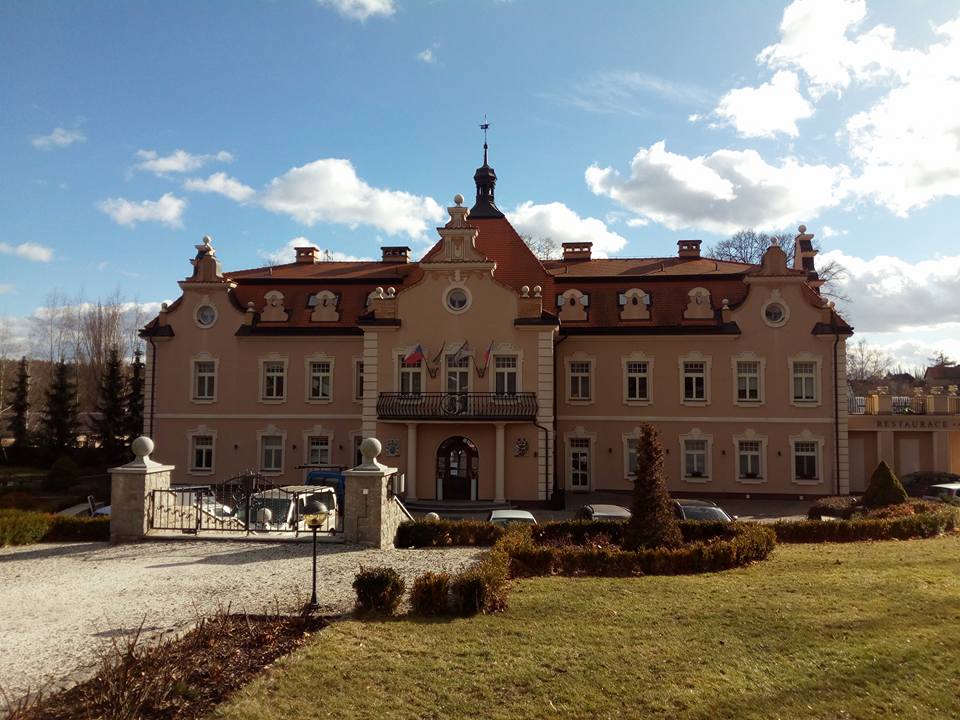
x=484 y=126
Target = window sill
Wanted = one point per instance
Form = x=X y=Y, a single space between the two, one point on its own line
x=637 y=403
x=805 y=403
x=694 y=403
x=319 y=401
x=579 y=402
x=203 y=401
x=751 y=481
x=271 y=473
x=193 y=471
x=748 y=403
x=272 y=401
x=799 y=481
x=696 y=479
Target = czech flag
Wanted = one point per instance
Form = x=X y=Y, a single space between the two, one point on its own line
x=414 y=357
x=486 y=354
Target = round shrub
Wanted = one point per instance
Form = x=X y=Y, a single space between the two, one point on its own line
x=379 y=589
x=841 y=506
x=430 y=594
x=884 y=488
x=482 y=588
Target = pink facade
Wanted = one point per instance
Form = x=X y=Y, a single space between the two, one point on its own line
x=490 y=375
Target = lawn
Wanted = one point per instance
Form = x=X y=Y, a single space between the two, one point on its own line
x=860 y=630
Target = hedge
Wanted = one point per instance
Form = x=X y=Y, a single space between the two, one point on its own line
x=22 y=527
x=919 y=525
x=379 y=589
x=445 y=533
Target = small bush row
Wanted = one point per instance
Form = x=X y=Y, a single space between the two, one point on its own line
x=446 y=533
x=21 y=527
x=915 y=525
x=841 y=506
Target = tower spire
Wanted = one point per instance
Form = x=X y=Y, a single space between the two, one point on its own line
x=484 y=126
x=486 y=179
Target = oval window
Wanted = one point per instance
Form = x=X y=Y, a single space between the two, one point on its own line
x=206 y=314
x=775 y=313
x=457 y=299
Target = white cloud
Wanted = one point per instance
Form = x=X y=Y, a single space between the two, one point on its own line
x=287 y=253
x=624 y=91
x=329 y=190
x=222 y=184
x=28 y=251
x=427 y=56
x=59 y=138
x=637 y=222
x=890 y=294
x=722 y=192
x=558 y=222
x=913 y=353
x=179 y=161
x=827 y=231
x=361 y=9
x=7 y=288
x=773 y=107
x=167 y=210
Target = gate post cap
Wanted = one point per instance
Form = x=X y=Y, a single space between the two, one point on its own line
x=142 y=447
x=370 y=448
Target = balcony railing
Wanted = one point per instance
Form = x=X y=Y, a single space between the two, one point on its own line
x=904 y=405
x=457 y=406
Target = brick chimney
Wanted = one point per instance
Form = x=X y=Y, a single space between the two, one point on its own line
x=396 y=254
x=306 y=254
x=577 y=250
x=689 y=248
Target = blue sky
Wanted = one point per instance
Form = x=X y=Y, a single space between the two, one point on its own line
x=353 y=122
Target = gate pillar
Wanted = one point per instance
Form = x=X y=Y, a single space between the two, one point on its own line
x=131 y=491
x=371 y=512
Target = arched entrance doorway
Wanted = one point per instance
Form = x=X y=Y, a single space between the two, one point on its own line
x=458 y=466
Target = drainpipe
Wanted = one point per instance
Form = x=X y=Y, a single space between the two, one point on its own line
x=836 y=402
x=558 y=498
x=153 y=382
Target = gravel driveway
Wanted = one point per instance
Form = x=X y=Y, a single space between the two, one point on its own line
x=62 y=603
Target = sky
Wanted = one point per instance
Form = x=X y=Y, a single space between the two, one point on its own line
x=128 y=131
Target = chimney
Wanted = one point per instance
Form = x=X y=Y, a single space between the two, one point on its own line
x=396 y=254
x=689 y=248
x=804 y=253
x=306 y=254
x=577 y=250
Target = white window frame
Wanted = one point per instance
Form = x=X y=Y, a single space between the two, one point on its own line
x=202 y=431
x=357 y=380
x=579 y=436
x=309 y=437
x=695 y=357
x=194 y=377
x=817 y=441
x=412 y=370
x=263 y=379
x=271 y=431
x=590 y=375
x=761 y=379
x=308 y=374
x=750 y=436
x=817 y=362
x=459 y=370
x=629 y=437
x=696 y=435
x=625 y=364
x=497 y=371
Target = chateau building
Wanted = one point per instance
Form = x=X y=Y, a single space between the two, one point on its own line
x=489 y=374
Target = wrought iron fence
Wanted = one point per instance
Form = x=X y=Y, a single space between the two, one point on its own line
x=463 y=406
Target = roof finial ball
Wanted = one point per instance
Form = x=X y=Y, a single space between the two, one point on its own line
x=802 y=229
x=142 y=447
x=458 y=199
x=207 y=239
x=370 y=448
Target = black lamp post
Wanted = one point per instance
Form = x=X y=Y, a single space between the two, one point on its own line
x=314 y=522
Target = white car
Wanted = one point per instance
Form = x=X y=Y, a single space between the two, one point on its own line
x=511 y=517
x=287 y=508
x=944 y=491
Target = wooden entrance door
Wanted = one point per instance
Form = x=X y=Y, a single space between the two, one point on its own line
x=457 y=468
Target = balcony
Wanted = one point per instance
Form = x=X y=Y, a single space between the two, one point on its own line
x=939 y=404
x=457 y=406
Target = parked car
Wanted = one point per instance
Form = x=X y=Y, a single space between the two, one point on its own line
x=603 y=512
x=689 y=509
x=948 y=492
x=511 y=517
x=919 y=483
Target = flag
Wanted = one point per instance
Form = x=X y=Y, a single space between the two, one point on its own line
x=461 y=353
x=486 y=354
x=439 y=354
x=414 y=357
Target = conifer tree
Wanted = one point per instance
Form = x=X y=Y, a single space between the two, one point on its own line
x=20 y=405
x=653 y=523
x=110 y=424
x=58 y=425
x=884 y=489
x=134 y=399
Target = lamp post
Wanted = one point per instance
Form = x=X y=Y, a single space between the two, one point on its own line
x=314 y=522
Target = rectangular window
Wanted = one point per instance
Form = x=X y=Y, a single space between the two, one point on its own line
x=695 y=381
x=579 y=463
x=695 y=458
x=204 y=380
x=411 y=377
x=805 y=460
x=580 y=380
x=505 y=374
x=274 y=380
x=357 y=455
x=320 y=380
x=637 y=381
x=458 y=374
x=318 y=450
x=748 y=452
x=271 y=453
x=805 y=382
x=358 y=379
x=632 y=456
x=748 y=381
x=202 y=453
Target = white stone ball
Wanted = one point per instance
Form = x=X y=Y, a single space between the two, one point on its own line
x=142 y=446
x=431 y=516
x=370 y=448
x=458 y=199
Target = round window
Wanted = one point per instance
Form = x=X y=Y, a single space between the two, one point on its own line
x=775 y=313
x=457 y=299
x=206 y=314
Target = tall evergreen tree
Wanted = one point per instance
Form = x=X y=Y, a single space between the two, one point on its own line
x=58 y=425
x=134 y=398
x=109 y=427
x=20 y=405
x=653 y=523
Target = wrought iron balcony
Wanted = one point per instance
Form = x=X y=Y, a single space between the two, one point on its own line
x=457 y=406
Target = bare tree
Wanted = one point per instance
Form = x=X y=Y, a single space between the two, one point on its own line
x=941 y=359
x=545 y=248
x=867 y=364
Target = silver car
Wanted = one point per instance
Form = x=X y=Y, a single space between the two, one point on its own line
x=603 y=512
x=511 y=517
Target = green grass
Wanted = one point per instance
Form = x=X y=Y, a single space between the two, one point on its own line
x=860 y=630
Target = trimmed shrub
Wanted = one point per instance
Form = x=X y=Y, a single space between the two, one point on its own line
x=482 y=588
x=653 y=523
x=917 y=525
x=62 y=474
x=22 y=527
x=446 y=533
x=64 y=528
x=379 y=589
x=884 y=488
x=430 y=594
x=841 y=506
